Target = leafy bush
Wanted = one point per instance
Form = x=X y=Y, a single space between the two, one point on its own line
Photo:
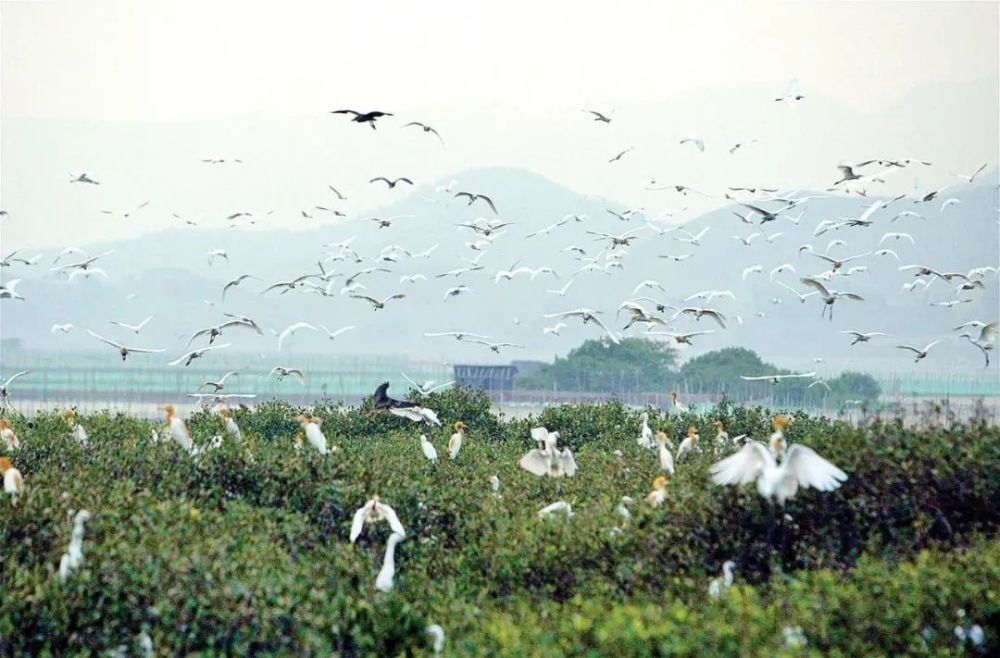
x=244 y=550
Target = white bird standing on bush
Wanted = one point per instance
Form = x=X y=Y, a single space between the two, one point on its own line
x=678 y=405
x=715 y=588
x=455 y=442
x=776 y=443
x=178 y=429
x=547 y=459
x=437 y=633
x=645 y=433
x=79 y=433
x=13 y=481
x=721 y=435
x=73 y=557
x=800 y=467
x=428 y=449
x=10 y=439
x=383 y=582
x=310 y=427
x=232 y=429
x=689 y=444
x=666 y=459
x=374 y=511
x=659 y=492
x=558 y=506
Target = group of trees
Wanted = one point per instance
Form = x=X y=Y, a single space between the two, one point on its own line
x=638 y=365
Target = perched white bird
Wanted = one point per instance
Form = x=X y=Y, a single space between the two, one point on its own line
x=73 y=557
x=437 y=635
x=547 y=459
x=455 y=442
x=645 y=439
x=689 y=444
x=715 y=588
x=79 y=433
x=10 y=440
x=383 y=582
x=677 y=404
x=428 y=449
x=178 y=429
x=374 y=511
x=659 y=492
x=800 y=467
x=558 y=506
x=666 y=459
x=232 y=429
x=310 y=427
x=13 y=481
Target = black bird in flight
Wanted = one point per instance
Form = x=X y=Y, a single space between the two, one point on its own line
x=474 y=197
x=604 y=118
x=392 y=183
x=381 y=401
x=364 y=117
x=337 y=192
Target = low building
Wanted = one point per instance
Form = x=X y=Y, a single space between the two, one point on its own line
x=492 y=379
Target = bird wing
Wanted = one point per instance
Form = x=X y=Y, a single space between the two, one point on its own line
x=10 y=379
x=611 y=334
x=392 y=518
x=488 y=201
x=567 y=462
x=535 y=462
x=816 y=285
x=909 y=347
x=756 y=378
x=809 y=470
x=371 y=300
x=358 y=522
x=105 y=340
x=743 y=467
x=988 y=334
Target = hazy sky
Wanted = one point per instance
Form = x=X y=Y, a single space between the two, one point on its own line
x=504 y=85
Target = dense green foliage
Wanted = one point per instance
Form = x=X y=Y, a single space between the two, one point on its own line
x=245 y=549
x=635 y=365
x=639 y=365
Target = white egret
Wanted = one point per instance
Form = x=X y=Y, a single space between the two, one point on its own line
x=383 y=582
x=311 y=428
x=547 y=459
x=428 y=449
x=79 y=433
x=800 y=467
x=232 y=429
x=666 y=459
x=659 y=492
x=374 y=511
x=556 y=507
x=689 y=444
x=715 y=588
x=921 y=353
x=73 y=557
x=455 y=442
x=196 y=354
x=178 y=429
x=13 y=481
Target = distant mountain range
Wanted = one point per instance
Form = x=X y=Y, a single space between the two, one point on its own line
x=166 y=274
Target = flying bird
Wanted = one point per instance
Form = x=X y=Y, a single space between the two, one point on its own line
x=122 y=349
x=473 y=197
x=196 y=354
x=777 y=379
x=364 y=117
x=426 y=129
x=600 y=116
x=290 y=331
x=619 y=156
x=134 y=328
x=378 y=303
x=392 y=183
x=280 y=372
x=921 y=353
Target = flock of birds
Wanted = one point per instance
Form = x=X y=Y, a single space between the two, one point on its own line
x=757 y=208
x=777 y=469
